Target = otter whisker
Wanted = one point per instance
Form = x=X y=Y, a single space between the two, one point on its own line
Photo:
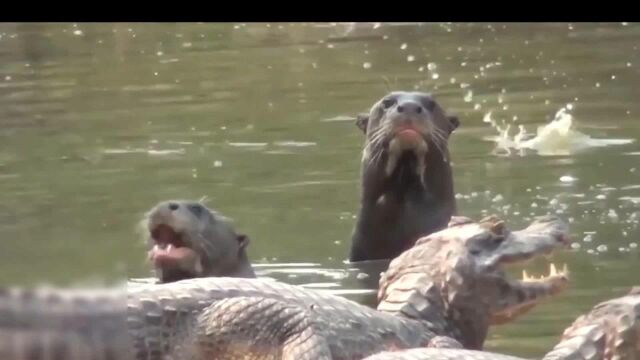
x=387 y=83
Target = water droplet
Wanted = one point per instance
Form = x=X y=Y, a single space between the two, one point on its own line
x=432 y=66
x=411 y=58
x=633 y=245
x=217 y=163
x=576 y=245
x=601 y=197
x=77 y=32
x=361 y=276
x=155 y=73
x=602 y=248
x=366 y=65
x=187 y=44
x=588 y=238
x=403 y=46
x=497 y=198
x=567 y=179
x=468 y=96
x=7 y=78
x=159 y=53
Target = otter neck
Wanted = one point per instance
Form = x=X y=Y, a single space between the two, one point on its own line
x=240 y=267
x=399 y=208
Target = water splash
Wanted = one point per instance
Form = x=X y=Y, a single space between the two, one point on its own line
x=558 y=137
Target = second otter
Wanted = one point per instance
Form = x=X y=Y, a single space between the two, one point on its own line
x=407 y=183
x=188 y=240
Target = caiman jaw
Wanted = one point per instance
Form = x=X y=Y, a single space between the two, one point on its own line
x=524 y=294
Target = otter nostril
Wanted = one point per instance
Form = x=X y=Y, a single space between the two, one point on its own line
x=400 y=108
x=419 y=109
x=173 y=206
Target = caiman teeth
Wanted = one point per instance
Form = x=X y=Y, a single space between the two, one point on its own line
x=553 y=272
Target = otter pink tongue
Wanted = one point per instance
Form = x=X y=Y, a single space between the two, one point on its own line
x=409 y=135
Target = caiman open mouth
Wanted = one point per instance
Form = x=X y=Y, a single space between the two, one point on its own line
x=540 y=239
x=554 y=282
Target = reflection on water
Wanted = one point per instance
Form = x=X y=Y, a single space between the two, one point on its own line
x=98 y=122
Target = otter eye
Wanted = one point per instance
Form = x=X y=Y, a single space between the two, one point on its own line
x=387 y=103
x=196 y=209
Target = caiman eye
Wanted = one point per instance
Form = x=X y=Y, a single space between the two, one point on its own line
x=387 y=103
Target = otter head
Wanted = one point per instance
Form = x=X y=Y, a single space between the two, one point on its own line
x=189 y=240
x=406 y=130
x=456 y=277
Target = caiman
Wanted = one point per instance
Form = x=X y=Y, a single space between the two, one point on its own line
x=443 y=292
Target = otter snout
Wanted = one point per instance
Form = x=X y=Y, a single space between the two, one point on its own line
x=409 y=107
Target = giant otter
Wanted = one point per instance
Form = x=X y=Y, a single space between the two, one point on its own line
x=188 y=240
x=407 y=185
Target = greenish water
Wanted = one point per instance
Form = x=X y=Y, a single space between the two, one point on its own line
x=98 y=122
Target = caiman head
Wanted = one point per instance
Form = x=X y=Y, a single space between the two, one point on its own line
x=455 y=280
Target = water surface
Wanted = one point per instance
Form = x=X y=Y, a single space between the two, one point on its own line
x=98 y=122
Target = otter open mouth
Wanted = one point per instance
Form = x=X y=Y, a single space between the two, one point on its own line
x=407 y=141
x=170 y=251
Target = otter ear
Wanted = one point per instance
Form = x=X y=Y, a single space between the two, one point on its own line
x=243 y=241
x=454 y=121
x=361 y=122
